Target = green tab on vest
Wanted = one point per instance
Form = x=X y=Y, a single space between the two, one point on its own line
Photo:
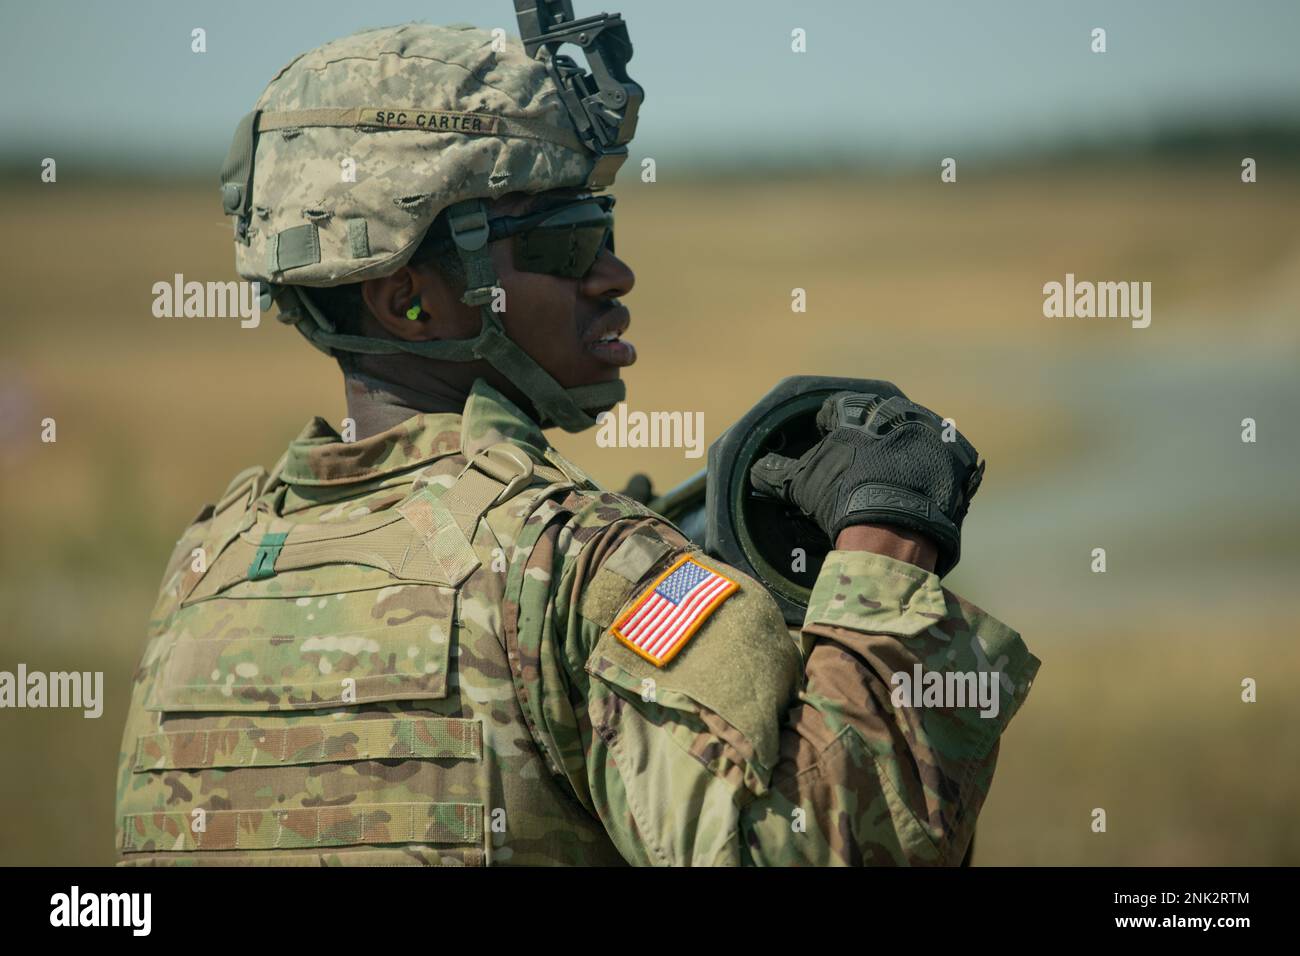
x=263 y=565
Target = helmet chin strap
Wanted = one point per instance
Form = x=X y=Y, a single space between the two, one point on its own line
x=568 y=408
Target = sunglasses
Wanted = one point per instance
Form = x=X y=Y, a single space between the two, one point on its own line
x=561 y=240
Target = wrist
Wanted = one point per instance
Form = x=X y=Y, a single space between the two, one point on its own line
x=902 y=544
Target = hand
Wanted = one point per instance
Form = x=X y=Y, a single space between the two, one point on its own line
x=882 y=461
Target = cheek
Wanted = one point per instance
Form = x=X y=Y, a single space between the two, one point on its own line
x=539 y=310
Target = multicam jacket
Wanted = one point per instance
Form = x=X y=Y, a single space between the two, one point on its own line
x=406 y=649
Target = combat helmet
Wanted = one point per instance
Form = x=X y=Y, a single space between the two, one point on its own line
x=355 y=147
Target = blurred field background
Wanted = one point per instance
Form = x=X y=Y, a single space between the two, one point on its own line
x=1097 y=435
x=1137 y=706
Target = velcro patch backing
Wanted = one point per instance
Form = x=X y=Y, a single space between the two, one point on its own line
x=615 y=582
x=742 y=666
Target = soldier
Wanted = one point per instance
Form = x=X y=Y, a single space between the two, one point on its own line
x=442 y=642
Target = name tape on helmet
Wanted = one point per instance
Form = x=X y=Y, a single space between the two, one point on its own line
x=385 y=117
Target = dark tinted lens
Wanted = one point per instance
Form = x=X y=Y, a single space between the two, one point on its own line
x=566 y=244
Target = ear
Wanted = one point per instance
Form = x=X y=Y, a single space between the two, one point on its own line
x=442 y=315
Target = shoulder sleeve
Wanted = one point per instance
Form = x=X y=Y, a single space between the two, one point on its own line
x=662 y=747
x=737 y=749
x=888 y=757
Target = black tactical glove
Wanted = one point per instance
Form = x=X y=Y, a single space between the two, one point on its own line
x=883 y=461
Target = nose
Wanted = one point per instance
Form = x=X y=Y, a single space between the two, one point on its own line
x=609 y=277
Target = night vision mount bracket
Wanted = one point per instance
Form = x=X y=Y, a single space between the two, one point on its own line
x=603 y=103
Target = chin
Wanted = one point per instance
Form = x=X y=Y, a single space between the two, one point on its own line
x=596 y=374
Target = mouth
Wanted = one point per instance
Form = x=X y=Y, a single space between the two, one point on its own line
x=604 y=338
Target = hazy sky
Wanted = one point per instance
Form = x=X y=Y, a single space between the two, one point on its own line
x=115 y=81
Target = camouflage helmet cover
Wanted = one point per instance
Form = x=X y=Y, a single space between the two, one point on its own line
x=424 y=116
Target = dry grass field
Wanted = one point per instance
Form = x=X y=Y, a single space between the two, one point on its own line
x=1096 y=433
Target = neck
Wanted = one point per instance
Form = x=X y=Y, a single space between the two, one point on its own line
x=377 y=405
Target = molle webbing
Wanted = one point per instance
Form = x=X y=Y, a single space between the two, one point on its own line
x=310 y=743
x=350 y=825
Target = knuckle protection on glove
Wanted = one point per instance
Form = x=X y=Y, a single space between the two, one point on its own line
x=846 y=410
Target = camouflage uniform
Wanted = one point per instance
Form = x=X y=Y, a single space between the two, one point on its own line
x=403 y=649
x=399 y=650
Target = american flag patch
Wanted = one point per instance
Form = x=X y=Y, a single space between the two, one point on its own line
x=662 y=620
